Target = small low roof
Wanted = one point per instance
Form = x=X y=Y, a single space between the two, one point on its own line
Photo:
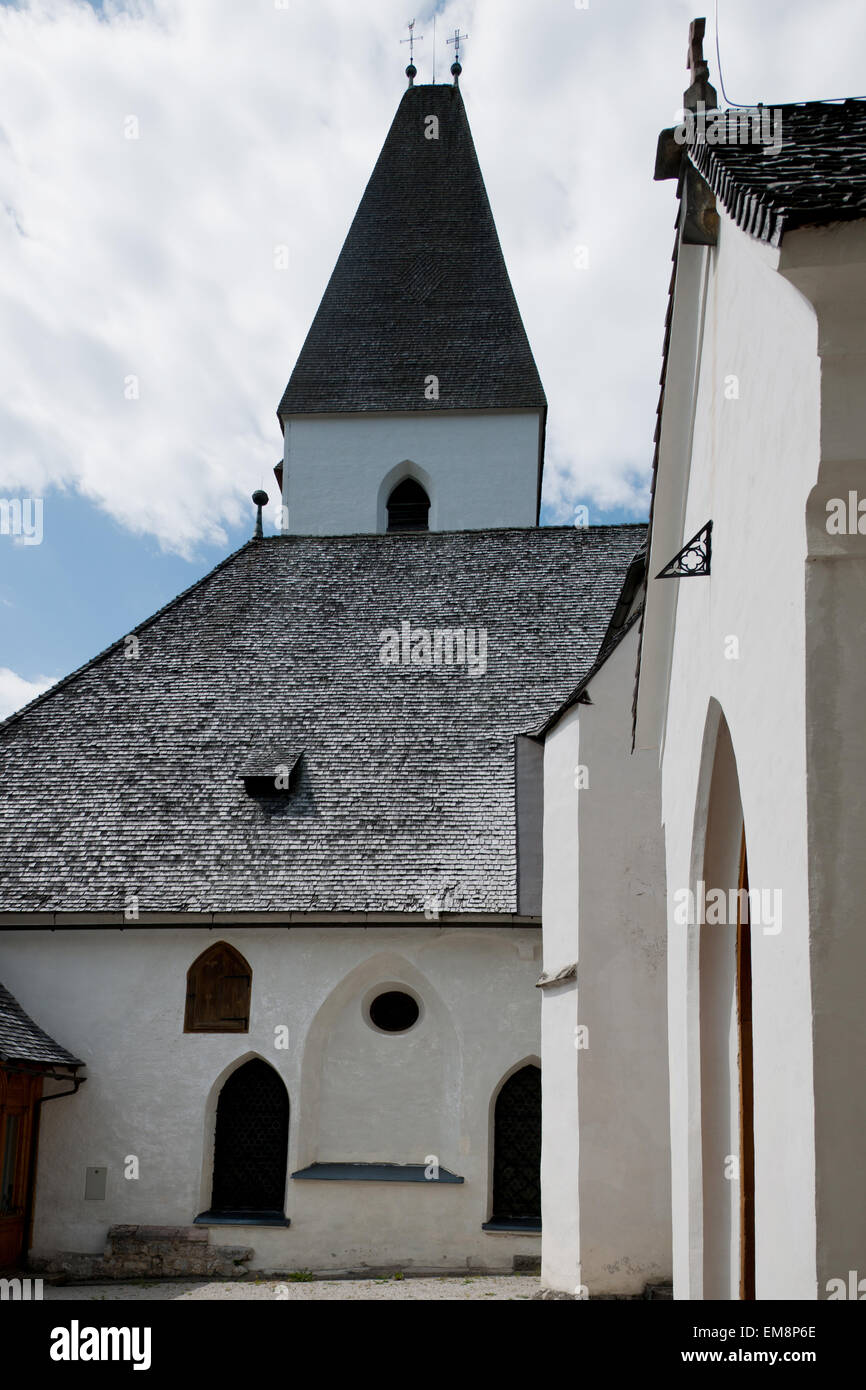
x=22 y=1040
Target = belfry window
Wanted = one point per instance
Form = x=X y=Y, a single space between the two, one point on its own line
x=218 y=987
x=408 y=507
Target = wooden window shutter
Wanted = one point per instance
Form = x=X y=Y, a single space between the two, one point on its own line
x=219 y=985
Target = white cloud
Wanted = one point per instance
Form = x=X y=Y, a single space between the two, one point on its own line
x=15 y=692
x=258 y=126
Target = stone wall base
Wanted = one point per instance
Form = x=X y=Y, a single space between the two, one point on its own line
x=654 y=1292
x=154 y=1252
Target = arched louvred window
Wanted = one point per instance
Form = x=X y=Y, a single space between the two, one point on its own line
x=218 y=987
x=517 y=1151
x=408 y=507
x=251 y=1142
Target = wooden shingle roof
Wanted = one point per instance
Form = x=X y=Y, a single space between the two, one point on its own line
x=22 y=1040
x=124 y=780
x=420 y=288
x=817 y=176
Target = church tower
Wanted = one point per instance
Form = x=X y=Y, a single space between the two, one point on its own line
x=416 y=403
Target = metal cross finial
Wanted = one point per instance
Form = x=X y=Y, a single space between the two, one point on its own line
x=457 y=40
x=412 y=40
x=701 y=89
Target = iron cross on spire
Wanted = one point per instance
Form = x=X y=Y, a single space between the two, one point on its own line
x=457 y=40
x=412 y=71
x=456 y=69
x=412 y=40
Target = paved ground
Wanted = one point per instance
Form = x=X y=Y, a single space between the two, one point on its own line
x=454 y=1288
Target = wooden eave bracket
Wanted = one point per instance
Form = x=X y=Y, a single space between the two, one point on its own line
x=669 y=155
x=701 y=220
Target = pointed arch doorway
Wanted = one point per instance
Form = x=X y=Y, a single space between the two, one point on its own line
x=251 y=1141
x=726 y=1061
x=516 y=1194
x=745 y=1082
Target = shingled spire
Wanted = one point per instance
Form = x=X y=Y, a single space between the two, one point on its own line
x=420 y=288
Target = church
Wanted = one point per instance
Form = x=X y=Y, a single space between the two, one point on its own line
x=271 y=865
x=429 y=890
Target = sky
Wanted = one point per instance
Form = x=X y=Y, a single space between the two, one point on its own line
x=176 y=181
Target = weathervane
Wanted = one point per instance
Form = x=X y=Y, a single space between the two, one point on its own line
x=412 y=71
x=456 y=69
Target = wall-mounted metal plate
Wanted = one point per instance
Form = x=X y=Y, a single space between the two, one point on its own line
x=95 y=1180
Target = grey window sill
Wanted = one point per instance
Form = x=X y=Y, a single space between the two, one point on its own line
x=512 y=1228
x=241 y=1218
x=373 y=1172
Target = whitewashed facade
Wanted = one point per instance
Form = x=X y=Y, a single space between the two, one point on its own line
x=746 y=777
x=356 y=1095
x=605 y=1146
x=478 y=468
x=752 y=686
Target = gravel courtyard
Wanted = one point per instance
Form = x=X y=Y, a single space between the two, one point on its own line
x=444 y=1289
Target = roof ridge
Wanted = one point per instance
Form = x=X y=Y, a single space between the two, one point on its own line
x=114 y=646
x=414 y=537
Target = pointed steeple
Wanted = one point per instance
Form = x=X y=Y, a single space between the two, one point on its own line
x=420 y=289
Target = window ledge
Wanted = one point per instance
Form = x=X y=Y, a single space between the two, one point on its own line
x=373 y=1172
x=242 y=1218
x=512 y=1228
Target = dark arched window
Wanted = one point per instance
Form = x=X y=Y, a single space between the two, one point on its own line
x=218 y=987
x=408 y=507
x=517 y=1151
x=251 y=1143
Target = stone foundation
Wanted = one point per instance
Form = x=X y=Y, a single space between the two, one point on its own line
x=654 y=1292
x=153 y=1252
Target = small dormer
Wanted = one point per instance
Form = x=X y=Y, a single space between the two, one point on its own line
x=271 y=772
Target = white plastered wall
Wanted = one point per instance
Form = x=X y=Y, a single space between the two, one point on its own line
x=117 y=1000
x=753 y=461
x=480 y=469
x=560 y=1134
x=605 y=1154
x=829 y=265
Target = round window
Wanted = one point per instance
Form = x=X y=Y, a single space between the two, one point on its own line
x=394 y=1012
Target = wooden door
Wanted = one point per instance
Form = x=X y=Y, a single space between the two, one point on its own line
x=19 y=1092
x=517 y=1151
x=251 y=1141
x=747 y=1127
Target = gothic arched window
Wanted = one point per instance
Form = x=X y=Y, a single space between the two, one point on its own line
x=517 y=1151
x=251 y=1143
x=408 y=507
x=218 y=987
